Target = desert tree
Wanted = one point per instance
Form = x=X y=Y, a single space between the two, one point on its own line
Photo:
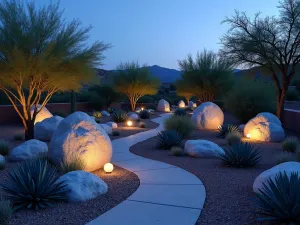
x=135 y=81
x=41 y=54
x=270 y=42
x=183 y=89
x=206 y=76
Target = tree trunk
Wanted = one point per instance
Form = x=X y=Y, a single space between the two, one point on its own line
x=29 y=130
x=280 y=103
x=132 y=103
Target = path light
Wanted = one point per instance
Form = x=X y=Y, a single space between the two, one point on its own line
x=129 y=123
x=142 y=108
x=108 y=167
x=248 y=135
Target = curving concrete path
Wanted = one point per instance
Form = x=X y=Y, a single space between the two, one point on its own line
x=166 y=195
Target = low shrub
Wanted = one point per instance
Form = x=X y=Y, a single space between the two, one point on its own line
x=167 y=139
x=240 y=155
x=292 y=95
x=226 y=129
x=97 y=115
x=180 y=112
x=6 y=210
x=181 y=124
x=286 y=157
x=119 y=116
x=290 y=144
x=4 y=147
x=142 y=125
x=18 y=137
x=233 y=138
x=72 y=164
x=32 y=184
x=144 y=114
x=177 y=151
x=279 y=199
x=115 y=133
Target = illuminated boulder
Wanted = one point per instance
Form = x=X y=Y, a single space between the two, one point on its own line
x=43 y=114
x=208 y=116
x=202 y=149
x=287 y=167
x=80 y=136
x=264 y=127
x=113 y=125
x=181 y=104
x=192 y=104
x=163 y=106
x=44 y=130
x=82 y=186
x=133 y=116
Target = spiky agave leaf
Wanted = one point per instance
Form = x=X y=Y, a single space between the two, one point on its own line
x=279 y=199
x=32 y=184
x=119 y=116
x=168 y=139
x=225 y=129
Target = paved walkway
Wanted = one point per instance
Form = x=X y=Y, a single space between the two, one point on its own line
x=167 y=195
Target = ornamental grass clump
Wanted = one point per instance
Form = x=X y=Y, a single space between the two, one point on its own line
x=119 y=116
x=167 y=139
x=290 y=144
x=181 y=124
x=225 y=129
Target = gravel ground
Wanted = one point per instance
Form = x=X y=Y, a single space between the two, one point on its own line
x=121 y=184
x=229 y=199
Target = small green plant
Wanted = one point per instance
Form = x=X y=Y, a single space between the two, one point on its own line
x=180 y=112
x=233 y=138
x=115 y=133
x=290 y=144
x=142 y=125
x=225 y=129
x=6 y=210
x=119 y=116
x=181 y=124
x=33 y=184
x=168 y=138
x=72 y=164
x=286 y=157
x=278 y=200
x=177 y=151
x=4 y=147
x=110 y=110
x=97 y=115
x=18 y=137
x=240 y=155
x=144 y=114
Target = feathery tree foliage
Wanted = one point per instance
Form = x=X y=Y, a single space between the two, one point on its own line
x=183 y=89
x=41 y=54
x=206 y=76
x=135 y=82
x=270 y=42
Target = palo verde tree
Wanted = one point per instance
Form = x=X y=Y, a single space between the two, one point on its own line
x=206 y=76
x=271 y=42
x=135 y=81
x=41 y=54
x=183 y=89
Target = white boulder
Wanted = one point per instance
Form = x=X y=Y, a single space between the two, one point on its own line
x=181 y=104
x=28 y=150
x=43 y=114
x=82 y=186
x=79 y=135
x=288 y=167
x=44 y=130
x=133 y=116
x=105 y=113
x=208 y=116
x=265 y=127
x=138 y=110
x=202 y=149
x=107 y=128
x=113 y=125
x=163 y=106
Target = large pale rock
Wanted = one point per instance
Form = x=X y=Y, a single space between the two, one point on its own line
x=83 y=186
x=79 y=135
x=28 y=150
x=181 y=104
x=192 y=104
x=43 y=114
x=288 y=167
x=265 y=127
x=163 y=106
x=113 y=125
x=133 y=116
x=107 y=128
x=44 y=130
x=105 y=113
x=208 y=116
x=202 y=149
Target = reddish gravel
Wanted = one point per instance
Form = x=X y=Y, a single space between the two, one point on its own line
x=229 y=199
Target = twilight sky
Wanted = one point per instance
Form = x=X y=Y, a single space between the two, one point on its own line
x=158 y=32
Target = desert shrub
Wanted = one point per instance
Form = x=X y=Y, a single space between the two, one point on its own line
x=240 y=155
x=72 y=164
x=97 y=114
x=6 y=210
x=119 y=116
x=142 y=125
x=177 y=151
x=144 y=114
x=290 y=144
x=292 y=95
x=233 y=138
x=115 y=133
x=32 y=184
x=248 y=98
x=4 y=147
x=96 y=101
x=167 y=139
x=226 y=129
x=286 y=157
x=181 y=124
x=18 y=137
x=180 y=112
x=279 y=199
